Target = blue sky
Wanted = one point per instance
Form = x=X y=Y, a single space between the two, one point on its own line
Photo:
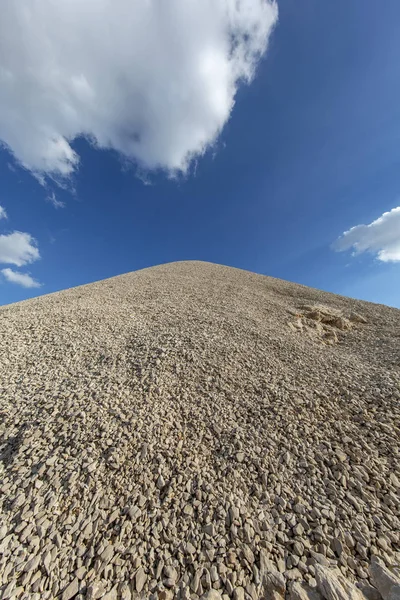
x=311 y=149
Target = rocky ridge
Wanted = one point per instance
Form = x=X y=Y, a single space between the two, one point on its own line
x=194 y=430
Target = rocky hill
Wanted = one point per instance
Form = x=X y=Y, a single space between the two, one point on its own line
x=195 y=430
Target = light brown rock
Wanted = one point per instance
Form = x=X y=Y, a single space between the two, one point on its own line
x=385 y=581
x=332 y=585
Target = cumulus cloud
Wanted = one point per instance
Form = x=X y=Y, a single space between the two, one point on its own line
x=381 y=237
x=23 y=279
x=18 y=249
x=3 y=214
x=154 y=80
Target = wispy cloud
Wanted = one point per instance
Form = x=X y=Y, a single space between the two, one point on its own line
x=52 y=198
x=155 y=81
x=3 y=214
x=381 y=237
x=18 y=248
x=23 y=279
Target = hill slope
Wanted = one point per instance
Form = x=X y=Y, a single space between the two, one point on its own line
x=161 y=428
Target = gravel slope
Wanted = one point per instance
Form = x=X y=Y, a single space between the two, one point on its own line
x=161 y=428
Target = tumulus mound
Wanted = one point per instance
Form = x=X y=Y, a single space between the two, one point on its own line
x=196 y=430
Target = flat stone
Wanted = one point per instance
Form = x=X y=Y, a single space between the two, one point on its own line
x=140 y=579
x=71 y=590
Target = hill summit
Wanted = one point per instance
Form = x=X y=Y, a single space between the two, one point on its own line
x=193 y=430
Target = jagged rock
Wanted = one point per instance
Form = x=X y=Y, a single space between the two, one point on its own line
x=95 y=591
x=140 y=579
x=369 y=591
x=334 y=586
x=111 y=595
x=71 y=590
x=273 y=584
x=385 y=581
x=301 y=591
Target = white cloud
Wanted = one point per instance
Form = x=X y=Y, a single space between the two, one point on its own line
x=55 y=201
x=381 y=237
x=18 y=249
x=154 y=80
x=23 y=279
x=3 y=214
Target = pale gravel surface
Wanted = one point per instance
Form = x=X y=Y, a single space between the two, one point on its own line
x=158 y=429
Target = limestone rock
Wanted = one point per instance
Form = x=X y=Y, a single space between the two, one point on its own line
x=71 y=590
x=386 y=582
x=334 y=586
x=301 y=591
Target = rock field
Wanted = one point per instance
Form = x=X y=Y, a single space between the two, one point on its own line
x=197 y=431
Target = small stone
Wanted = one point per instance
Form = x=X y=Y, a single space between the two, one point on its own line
x=209 y=529
x=248 y=555
x=159 y=569
x=114 y=516
x=382 y=543
x=293 y=574
x=160 y=482
x=32 y=564
x=298 y=548
x=338 y=547
x=190 y=549
x=91 y=467
x=171 y=573
x=194 y=584
x=298 y=529
x=362 y=573
x=107 y=554
x=348 y=538
x=95 y=591
x=238 y=593
x=140 y=579
x=134 y=513
x=214 y=574
x=320 y=558
x=9 y=591
x=80 y=573
x=188 y=510
x=394 y=480
x=342 y=456
x=71 y=590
